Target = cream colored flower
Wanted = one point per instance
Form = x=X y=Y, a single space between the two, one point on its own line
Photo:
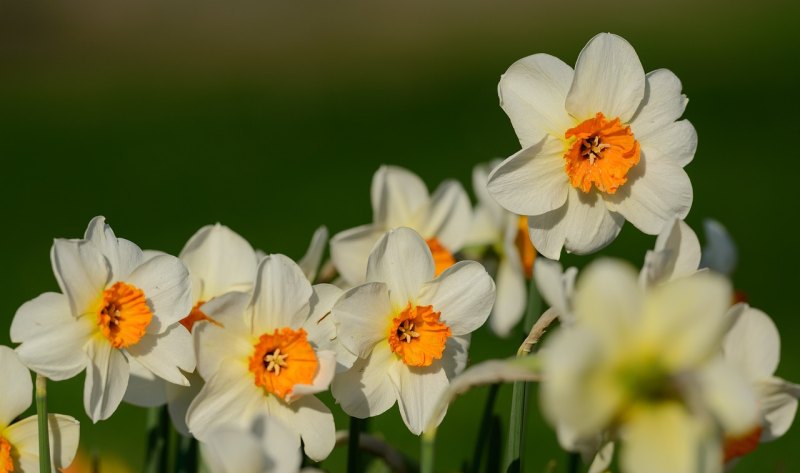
x=601 y=144
x=400 y=199
x=269 y=355
x=19 y=441
x=409 y=328
x=507 y=235
x=643 y=366
x=115 y=307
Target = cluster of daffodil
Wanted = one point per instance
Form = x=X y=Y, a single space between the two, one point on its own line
x=667 y=365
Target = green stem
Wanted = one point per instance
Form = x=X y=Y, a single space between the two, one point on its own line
x=187 y=455
x=353 y=446
x=428 y=442
x=573 y=462
x=486 y=424
x=156 y=455
x=44 y=431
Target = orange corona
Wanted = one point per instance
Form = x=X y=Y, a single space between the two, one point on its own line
x=736 y=447
x=527 y=253
x=417 y=336
x=6 y=460
x=282 y=360
x=442 y=257
x=601 y=154
x=124 y=315
x=197 y=315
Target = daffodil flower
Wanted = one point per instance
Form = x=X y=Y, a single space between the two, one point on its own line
x=409 y=328
x=507 y=234
x=268 y=356
x=264 y=445
x=400 y=199
x=220 y=262
x=19 y=441
x=115 y=307
x=754 y=346
x=601 y=144
x=644 y=366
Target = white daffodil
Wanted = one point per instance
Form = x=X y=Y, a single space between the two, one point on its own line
x=410 y=331
x=507 y=234
x=265 y=445
x=400 y=199
x=601 y=144
x=676 y=255
x=754 y=346
x=643 y=366
x=19 y=441
x=115 y=306
x=220 y=262
x=268 y=356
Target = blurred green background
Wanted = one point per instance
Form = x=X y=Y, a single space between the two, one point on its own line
x=272 y=116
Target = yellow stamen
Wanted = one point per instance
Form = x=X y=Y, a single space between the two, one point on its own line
x=417 y=336
x=124 y=315
x=282 y=360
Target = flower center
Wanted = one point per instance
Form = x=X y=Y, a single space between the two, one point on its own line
x=602 y=152
x=527 y=253
x=417 y=336
x=282 y=360
x=6 y=460
x=197 y=315
x=742 y=445
x=124 y=314
x=442 y=257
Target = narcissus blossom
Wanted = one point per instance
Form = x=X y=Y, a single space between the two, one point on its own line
x=220 y=262
x=19 y=441
x=265 y=445
x=753 y=345
x=644 y=366
x=115 y=307
x=507 y=235
x=269 y=355
x=400 y=199
x=409 y=328
x=600 y=145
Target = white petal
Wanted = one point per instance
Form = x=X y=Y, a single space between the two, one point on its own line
x=64 y=434
x=582 y=226
x=483 y=230
x=555 y=285
x=753 y=344
x=663 y=103
x=778 y=403
x=106 y=379
x=531 y=181
x=449 y=216
x=220 y=260
x=418 y=391
x=310 y=262
x=666 y=439
x=82 y=272
x=312 y=420
x=509 y=307
x=235 y=450
x=676 y=254
x=145 y=389
x=165 y=282
x=398 y=197
x=123 y=256
x=323 y=378
x=15 y=393
x=729 y=397
x=38 y=315
x=217 y=345
x=58 y=351
x=166 y=354
x=367 y=389
x=656 y=192
x=403 y=261
x=282 y=294
x=532 y=93
x=464 y=294
x=495 y=215
x=180 y=398
x=608 y=297
x=719 y=253
x=602 y=461
x=609 y=78
x=675 y=143
x=456 y=355
x=350 y=251
x=321 y=325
